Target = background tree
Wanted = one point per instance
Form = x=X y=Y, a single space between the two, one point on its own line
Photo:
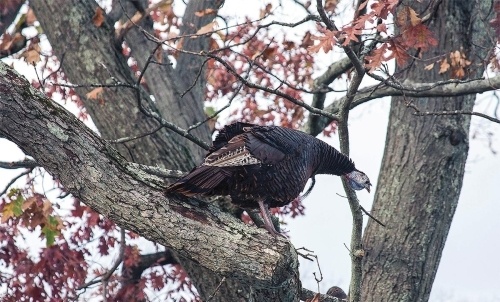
x=141 y=71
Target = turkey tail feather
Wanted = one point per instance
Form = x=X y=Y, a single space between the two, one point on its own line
x=201 y=180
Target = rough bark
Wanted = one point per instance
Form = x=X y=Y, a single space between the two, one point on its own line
x=109 y=184
x=179 y=93
x=423 y=166
x=91 y=56
x=86 y=48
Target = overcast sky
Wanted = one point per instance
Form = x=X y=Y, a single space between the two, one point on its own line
x=469 y=269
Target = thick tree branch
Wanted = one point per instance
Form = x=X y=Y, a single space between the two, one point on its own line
x=321 y=83
x=91 y=56
x=108 y=184
x=26 y=163
x=412 y=89
x=133 y=273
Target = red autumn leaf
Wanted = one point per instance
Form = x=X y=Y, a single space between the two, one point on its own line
x=429 y=67
x=307 y=41
x=157 y=281
x=398 y=52
x=98 y=18
x=103 y=246
x=351 y=33
x=266 y=11
x=32 y=54
x=376 y=57
x=382 y=27
x=206 y=28
x=419 y=36
x=326 y=42
x=382 y=8
x=407 y=17
x=132 y=256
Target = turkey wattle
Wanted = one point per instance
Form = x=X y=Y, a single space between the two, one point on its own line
x=265 y=166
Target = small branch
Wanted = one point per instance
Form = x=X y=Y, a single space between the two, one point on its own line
x=13 y=180
x=270 y=90
x=216 y=289
x=104 y=278
x=446 y=88
x=128 y=139
x=176 y=129
x=216 y=113
x=26 y=163
x=371 y=216
x=455 y=112
x=198 y=75
x=322 y=13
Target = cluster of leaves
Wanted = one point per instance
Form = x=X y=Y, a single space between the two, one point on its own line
x=260 y=59
x=56 y=266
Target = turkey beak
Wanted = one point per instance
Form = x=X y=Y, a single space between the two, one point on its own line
x=368 y=188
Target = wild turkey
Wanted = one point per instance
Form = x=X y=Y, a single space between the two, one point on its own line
x=265 y=166
x=337 y=292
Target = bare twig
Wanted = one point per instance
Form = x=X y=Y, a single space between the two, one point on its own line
x=198 y=75
x=307 y=255
x=13 y=180
x=128 y=139
x=216 y=289
x=274 y=91
x=216 y=113
x=372 y=217
x=105 y=277
x=318 y=280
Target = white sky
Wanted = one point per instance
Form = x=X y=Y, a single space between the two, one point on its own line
x=469 y=269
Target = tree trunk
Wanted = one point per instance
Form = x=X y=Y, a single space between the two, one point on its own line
x=423 y=165
x=92 y=56
x=266 y=268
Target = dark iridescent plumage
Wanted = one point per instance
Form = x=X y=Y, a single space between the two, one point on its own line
x=265 y=166
x=336 y=292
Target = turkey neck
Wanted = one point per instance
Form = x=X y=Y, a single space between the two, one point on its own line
x=332 y=161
